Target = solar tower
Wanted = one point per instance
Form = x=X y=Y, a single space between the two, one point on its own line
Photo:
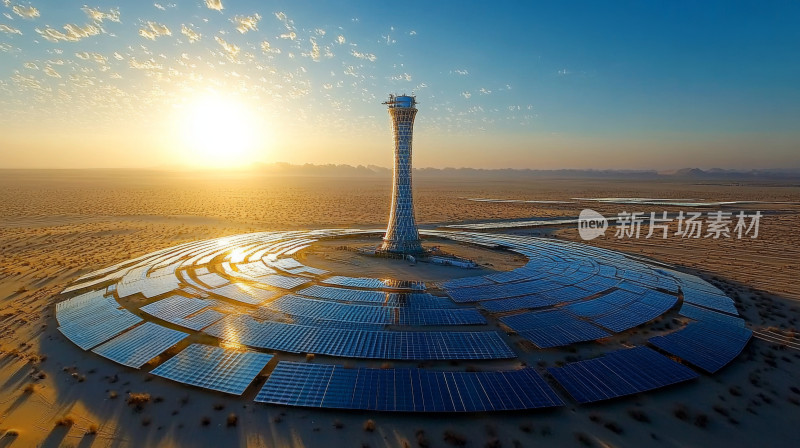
x=401 y=234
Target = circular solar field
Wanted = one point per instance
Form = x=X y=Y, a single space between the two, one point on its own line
x=251 y=315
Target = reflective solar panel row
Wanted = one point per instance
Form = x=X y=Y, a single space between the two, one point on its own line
x=245 y=330
x=139 y=345
x=215 y=368
x=649 y=307
x=185 y=312
x=212 y=280
x=518 y=303
x=553 y=328
x=620 y=373
x=92 y=330
x=299 y=306
x=702 y=314
x=709 y=300
x=283 y=281
x=245 y=294
x=709 y=345
x=495 y=291
x=174 y=307
x=405 y=390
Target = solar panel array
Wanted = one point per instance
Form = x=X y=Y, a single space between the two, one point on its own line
x=414 y=345
x=553 y=328
x=711 y=343
x=408 y=390
x=139 y=345
x=618 y=374
x=186 y=312
x=565 y=293
x=387 y=315
x=651 y=305
x=214 y=368
x=249 y=295
x=91 y=319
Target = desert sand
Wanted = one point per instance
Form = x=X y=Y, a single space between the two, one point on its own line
x=58 y=225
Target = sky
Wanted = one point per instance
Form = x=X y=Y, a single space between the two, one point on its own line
x=501 y=84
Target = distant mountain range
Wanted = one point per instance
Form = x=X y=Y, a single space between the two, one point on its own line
x=332 y=170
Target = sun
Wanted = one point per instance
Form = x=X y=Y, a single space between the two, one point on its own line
x=218 y=131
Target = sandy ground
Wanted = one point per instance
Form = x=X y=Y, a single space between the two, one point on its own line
x=55 y=226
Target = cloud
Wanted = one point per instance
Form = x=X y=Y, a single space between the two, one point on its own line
x=401 y=77
x=73 y=33
x=462 y=72
x=158 y=6
x=412 y=33
x=214 y=4
x=149 y=64
x=96 y=57
x=246 y=23
x=341 y=39
x=368 y=56
x=314 y=54
x=484 y=91
x=290 y=35
x=190 y=34
x=152 y=30
x=231 y=49
x=95 y=14
x=26 y=12
x=31 y=66
x=267 y=48
x=466 y=95
x=9 y=30
x=49 y=71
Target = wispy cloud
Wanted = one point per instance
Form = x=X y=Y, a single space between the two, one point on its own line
x=267 y=48
x=246 y=23
x=26 y=12
x=462 y=72
x=9 y=30
x=314 y=53
x=341 y=39
x=215 y=4
x=231 y=49
x=152 y=30
x=466 y=95
x=190 y=34
x=149 y=64
x=95 y=14
x=50 y=71
x=367 y=56
x=72 y=33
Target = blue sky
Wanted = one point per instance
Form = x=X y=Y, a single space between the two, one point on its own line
x=501 y=84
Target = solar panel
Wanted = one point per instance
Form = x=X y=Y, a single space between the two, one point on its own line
x=405 y=390
x=702 y=314
x=244 y=293
x=174 y=307
x=709 y=300
x=319 y=309
x=183 y=311
x=415 y=345
x=139 y=345
x=214 y=368
x=212 y=280
x=619 y=373
x=96 y=329
x=283 y=281
x=518 y=303
x=553 y=328
x=709 y=345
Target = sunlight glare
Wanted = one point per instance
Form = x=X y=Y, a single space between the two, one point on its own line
x=220 y=132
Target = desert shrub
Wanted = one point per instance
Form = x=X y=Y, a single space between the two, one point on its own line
x=232 y=420
x=369 y=425
x=453 y=438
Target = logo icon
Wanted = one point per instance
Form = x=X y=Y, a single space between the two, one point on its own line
x=591 y=224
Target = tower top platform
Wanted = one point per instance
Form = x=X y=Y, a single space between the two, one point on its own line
x=404 y=101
